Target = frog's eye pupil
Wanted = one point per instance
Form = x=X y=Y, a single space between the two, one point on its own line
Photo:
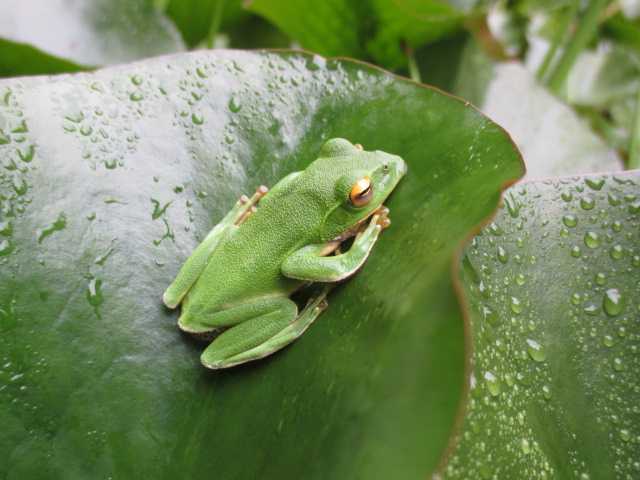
x=361 y=192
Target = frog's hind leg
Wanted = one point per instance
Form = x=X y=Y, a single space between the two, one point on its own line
x=283 y=337
x=250 y=326
x=196 y=263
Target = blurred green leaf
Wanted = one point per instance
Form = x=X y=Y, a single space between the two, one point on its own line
x=194 y=18
x=52 y=36
x=623 y=30
x=373 y=29
x=552 y=286
x=554 y=140
x=95 y=379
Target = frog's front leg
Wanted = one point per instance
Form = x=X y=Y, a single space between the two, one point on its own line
x=197 y=262
x=310 y=263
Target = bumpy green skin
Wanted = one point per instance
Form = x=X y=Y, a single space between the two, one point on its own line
x=240 y=277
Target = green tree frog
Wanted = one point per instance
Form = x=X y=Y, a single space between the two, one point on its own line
x=236 y=285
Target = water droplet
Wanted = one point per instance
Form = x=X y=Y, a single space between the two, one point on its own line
x=157 y=210
x=595 y=183
x=27 y=156
x=94 y=294
x=536 y=351
x=546 y=392
x=575 y=251
x=613 y=200
x=59 y=224
x=5 y=247
x=591 y=240
x=136 y=96
x=86 y=130
x=136 y=79
x=616 y=252
x=570 y=220
x=235 y=105
x=197 y=119
x=493 y=384
x=513 y=207
x=75 y=117
x=20 y=186
x=616 y=226
x=502 y=255
x=525 y=446
x=607 y=340
x=613 y=302
x=576 y=298
x=625 y=436
x=600 y=278
x=591 y=309
x=618 y=366
x=489 y=315
x=587 y=203
x=634 y=207
x=516 y=305
x=495 y=229
x=567 y=196
x=520 y=279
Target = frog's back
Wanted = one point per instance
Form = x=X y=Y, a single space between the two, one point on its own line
x=247 y=262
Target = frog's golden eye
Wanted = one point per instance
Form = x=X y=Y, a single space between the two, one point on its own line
x=361 y=192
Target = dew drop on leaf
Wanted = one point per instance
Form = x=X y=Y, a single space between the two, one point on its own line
x=616 y=252
x=613 y=302
x=516 y=305
x=536 y=351
x=235 y=105
x=592 y=239
x=587 y=203
x=618 y=366
x=493 y=384
x=570 y=220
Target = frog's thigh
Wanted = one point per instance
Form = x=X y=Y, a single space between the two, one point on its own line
x=266 y=318
x=198 y=260
x=288 y=334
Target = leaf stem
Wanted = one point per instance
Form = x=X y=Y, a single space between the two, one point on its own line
x=414 y=71
x=587 y=28
x=560 y=36
x=216 y=20
x=634 y=147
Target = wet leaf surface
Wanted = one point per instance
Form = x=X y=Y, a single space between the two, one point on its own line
x=552 y=285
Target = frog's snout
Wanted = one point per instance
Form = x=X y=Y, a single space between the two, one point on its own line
x=395 y=165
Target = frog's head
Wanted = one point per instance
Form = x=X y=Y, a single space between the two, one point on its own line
x=357 y=181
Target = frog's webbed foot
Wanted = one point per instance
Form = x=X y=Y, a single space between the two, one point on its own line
x=247 y=205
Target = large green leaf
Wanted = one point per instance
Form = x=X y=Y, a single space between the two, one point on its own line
x=553 y=285
x=109 y=180
x=378 y=29
x=51 y=36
